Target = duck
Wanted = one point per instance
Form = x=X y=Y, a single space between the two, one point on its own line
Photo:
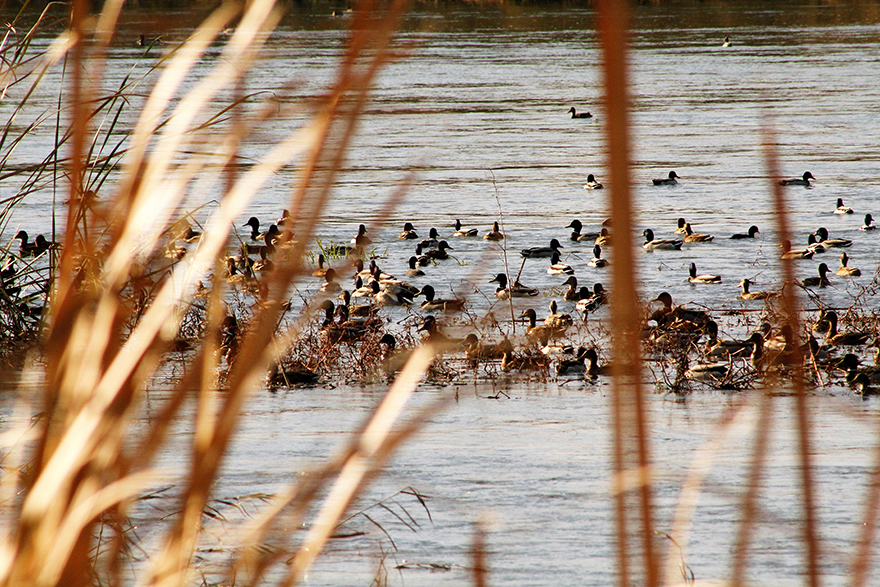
x=835 y=338
x=476 y=350
x=393 y=359
x=726 y=42
x=671 y=179
x=845 y=271
x=555 y=319
x=576 y=234
x=422 y=260
x=597 y=260
x=818 y=280
x=321 y=270
x=409 y=232
x=707 y=372
x=753 y=230
x=841 y=209
x=576 y=114
x=264 y=263
x=682 y=223
x=716 y=347
x=278 y=376
x=330 y=285
x=518 y=290
x=814 y=245
x=413 y=270
x=591 y=300
x=384 y=297
x=557 y=267
x=439 y=253
x=254 y=223
x=789 y=253
x=754 y=295
x=26 y=249
x=433 y=239
x=869 y=220
x=593 y=367
x=703 y=278
x=495 y=234
x=361 y=290
x=355 y=310
x=432 y=304
x=604 y=238
x=541 y=332
x=804 y=180
x=671 y=313
x=571 y=294
x=695 y=237
x=861 y=383
x=463 y=232
x=525 y=362
x=536 y=252
x=837 y=243
x=651 y=243
x=592 y=184
x=435 y=336
x=361 y=239
x=284 y=219
x=574 y=366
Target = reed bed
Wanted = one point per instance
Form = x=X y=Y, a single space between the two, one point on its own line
x=128 y=300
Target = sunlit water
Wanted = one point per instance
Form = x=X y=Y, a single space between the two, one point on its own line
x=479 y=112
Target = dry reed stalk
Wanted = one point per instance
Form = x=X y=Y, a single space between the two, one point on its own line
x=637 y=562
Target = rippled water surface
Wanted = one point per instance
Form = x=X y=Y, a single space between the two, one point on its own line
x=478 y=111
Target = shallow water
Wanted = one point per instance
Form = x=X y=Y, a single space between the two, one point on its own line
x=479 y=110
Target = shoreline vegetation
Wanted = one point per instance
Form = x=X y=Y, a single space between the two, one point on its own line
x=111 y=304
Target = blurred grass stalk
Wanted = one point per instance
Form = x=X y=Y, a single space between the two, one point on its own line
x=87 y=466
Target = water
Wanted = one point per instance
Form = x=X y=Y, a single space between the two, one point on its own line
x=479 y=112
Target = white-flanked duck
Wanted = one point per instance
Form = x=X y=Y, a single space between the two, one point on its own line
x=703 y=278
x=557 y=267
x=409 y=232
x=707 y=372
x=818 y=280
x=682 y=223
x=814 y=245
x=433 y=239
x=384 y=297
x=726 y=42
x=822 y=235
x=652 y=243
x=576 y=114
x=846 y=271
x=869 y=223
x=537 y=252
x=495 y=234
x=597 y=260
x=804 y=180
x=432 y=304
x=518 y=290
x=592 y=184
x=577 y=235
x=753 y=230
x=841 y=209
x=671 y=179
x=591 y=300
x=754 y=295
x=463 y=232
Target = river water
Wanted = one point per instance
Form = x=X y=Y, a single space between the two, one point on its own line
x=479 y=110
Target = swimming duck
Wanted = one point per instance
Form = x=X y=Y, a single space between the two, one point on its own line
x=321 y=270
x=264 y=263
x=670 y=313
x=422 y=260
x=384 y=297
x=495 y=234
x=591 y=300
x=682 y=223
x=604 y=238
x=814 y=245
x=279 y=376
x=753 y=230
x=476 y=350
x=355 y=310
x=835 y=338
x=754 y=295
x=439 y=253
x=361 y=239
x=26 y=249
x=536 y=252
x=522 y=362
x=819 y=280
x=433 y=239
x=557 y=320
x=432 y=304
x=822 y=234
x=707 y=372
x=572 y=293
x=651 y=243
x=413 y=270
x=789 y=253
x=841 y=209
x=845 y=271
x=804 y=181
x=704 y=278
x=597 y=260
x=868 y=223
x=541 y=332
x=409 y=232
x=592 y=184
x=557 y=267
x=593 y=367
x=716 y=347
x=460 y=232
x=574 y=366
x=693 y=237
x=518 y=290
x=284 y=218
x=672 y=179
x=726 y=42
x=576 y=114
x=254 y=223
x=577 y=235
x=435 y=336
x=393 y=359
x=330 y=285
